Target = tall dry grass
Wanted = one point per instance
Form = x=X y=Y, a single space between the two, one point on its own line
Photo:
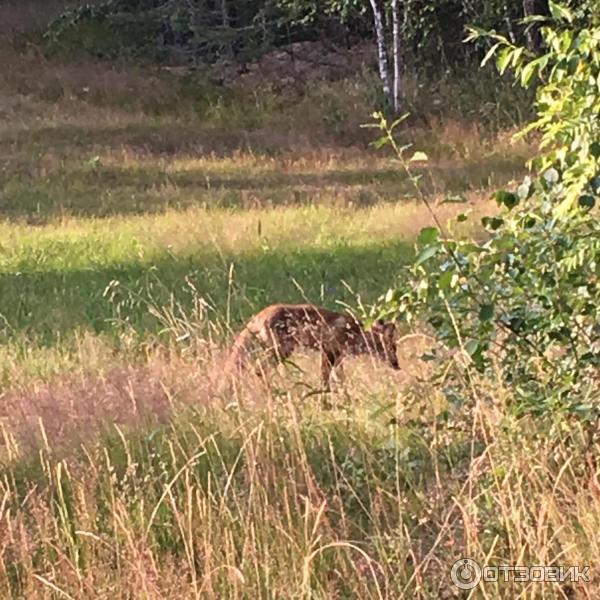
x=269 y=491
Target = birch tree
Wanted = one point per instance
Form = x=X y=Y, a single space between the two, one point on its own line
x=391 y=89
x=382 y=52
x=396 y=54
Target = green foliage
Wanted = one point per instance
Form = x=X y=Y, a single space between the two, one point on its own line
x=527 y=297
x=161 y=29
x=103 y=28
x=567 y=99
x=209 y=32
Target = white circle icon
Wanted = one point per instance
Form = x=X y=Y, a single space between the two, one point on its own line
x=465 y=574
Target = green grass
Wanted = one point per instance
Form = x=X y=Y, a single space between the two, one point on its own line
x=94 y=167
x=130 y=281
x=87 y=275
x=124 y=189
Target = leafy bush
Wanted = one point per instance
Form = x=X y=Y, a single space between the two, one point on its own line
x=160 y=29
x=527 y=297
x=104 y=28
x=207 y=31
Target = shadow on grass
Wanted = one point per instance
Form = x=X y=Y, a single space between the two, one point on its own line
x=47 y=308
x=164 y=137
x=108 y=191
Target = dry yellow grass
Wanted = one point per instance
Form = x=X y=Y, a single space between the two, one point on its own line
x=271 y=491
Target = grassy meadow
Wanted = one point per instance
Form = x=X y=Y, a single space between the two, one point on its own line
x=143 y=217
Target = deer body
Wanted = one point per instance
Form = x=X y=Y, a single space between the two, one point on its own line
x=277 y=331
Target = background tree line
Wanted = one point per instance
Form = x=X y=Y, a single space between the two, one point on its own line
x=209 y=31
x=422 y=37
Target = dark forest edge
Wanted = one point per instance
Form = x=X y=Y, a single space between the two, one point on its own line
x=219 y=32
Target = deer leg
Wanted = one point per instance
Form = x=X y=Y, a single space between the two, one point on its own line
x=328 y=361
x=338 y=368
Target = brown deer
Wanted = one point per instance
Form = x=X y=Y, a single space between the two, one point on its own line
x=277 y=331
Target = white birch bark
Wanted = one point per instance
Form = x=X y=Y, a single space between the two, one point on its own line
x=396 y=55
x=382 y=59
x=224 y=13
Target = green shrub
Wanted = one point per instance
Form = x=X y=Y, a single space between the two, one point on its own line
x=527 y=296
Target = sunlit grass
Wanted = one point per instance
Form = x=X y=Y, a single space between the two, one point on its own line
x=106 y=182
x=111 y=277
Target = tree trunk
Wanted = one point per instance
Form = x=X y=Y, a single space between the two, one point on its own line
x=396 y=54
x=382 y=56
x=224 y=13
x=509 y=25
x=534 y=38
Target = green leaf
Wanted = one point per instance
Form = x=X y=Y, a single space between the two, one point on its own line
x=492 y=223
x=534 y=19
x=380 y=143
x=428 y=235
x=454 y=200
x=558 y=11
x=393 y=295
x=426 y=254
x=490 y=53
x=503 y=60
x=486 y=312
x=471 y=248
x=527 y=73
x=471 y=347
x=516 y=56
x=445 y=280
x=586 y=201
x=506 y=198
x=475 y=33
